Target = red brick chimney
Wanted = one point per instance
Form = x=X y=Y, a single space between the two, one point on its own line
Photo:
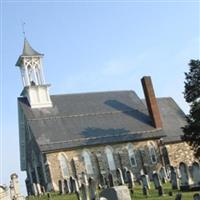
x=151 y=101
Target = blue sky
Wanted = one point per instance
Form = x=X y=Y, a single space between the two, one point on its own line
x=95 y=46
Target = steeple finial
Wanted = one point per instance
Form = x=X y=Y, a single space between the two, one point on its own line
x=23 y=29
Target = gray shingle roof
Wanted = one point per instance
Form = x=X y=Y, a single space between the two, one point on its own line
x=90 y=119
x=173 y=119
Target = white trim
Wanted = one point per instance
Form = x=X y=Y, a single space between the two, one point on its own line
x=60 y=155
x=131 y=154
x=152 y=152
x=87 y=161
x=110 y=157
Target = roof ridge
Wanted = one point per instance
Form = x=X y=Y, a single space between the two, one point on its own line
x=98 y=92
x=83 y=115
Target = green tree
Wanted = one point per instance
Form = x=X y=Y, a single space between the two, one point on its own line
x=192 y=96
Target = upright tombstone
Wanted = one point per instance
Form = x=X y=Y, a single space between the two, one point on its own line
x=116 y=193
x=196 y=173
x=145 y=181
x=124 y=172
x=102 y=181
x=160 y=191
x=14 y=188
x=185 y=177
x=174 y=179
x=130 y=178
x=92 y=188
x=61 y=187
x=120 y=177
x=179 y=196
x=163 y=175
x=196 y=196
x=76 y=189
x=71 y=180
x=85 y=192
x=14 y=185
x=85 y=178
x=35 y=192
x=110 y=180
x=145 y=191
x=67 y=186
x=156 y=180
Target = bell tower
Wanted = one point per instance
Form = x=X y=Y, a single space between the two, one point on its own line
x=35 y=88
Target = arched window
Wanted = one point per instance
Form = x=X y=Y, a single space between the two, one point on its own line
x=110 y=159
x=131 y=155
x=152 y=153
x=88 y=162
x=63 y=165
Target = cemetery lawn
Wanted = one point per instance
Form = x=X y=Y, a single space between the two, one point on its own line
x=153 y=195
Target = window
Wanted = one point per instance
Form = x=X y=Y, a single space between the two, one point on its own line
x=63 y=165
x=88 y=162
x=152 y=153
x=131 y=154
x=110 y=159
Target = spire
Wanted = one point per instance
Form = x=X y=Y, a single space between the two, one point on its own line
x=35 y=89
x=27 y=51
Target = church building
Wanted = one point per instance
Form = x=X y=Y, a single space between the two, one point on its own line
x=66 y=135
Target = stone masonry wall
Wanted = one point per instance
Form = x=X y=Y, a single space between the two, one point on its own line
x=180 y=152
x=99 y=161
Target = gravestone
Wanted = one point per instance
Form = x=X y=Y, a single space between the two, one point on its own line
x=145 y=181
x=196 y=196
x=179 y=196
x=76 y=189
x=76 y=185
x=106 y=183
x=124 y=172
x=61 y=187
x=35 y=192
x=145 y=191
x=196 y=173
x=163 y=175
x=120 y=177
x=174 y=179
x=92 y=188
x=67 y=186
x=49 y=196
x=116 y=193
x=130 y=178
x=110 y=180
x=170 y=193
x=85 y=192
x=43 y=190
x=71 y=180
x=102 y=180
x=160 y=191
x=185 y=178
x=84 y=178
x=156 y=180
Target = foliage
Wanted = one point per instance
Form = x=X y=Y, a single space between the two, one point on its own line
x=192 y=96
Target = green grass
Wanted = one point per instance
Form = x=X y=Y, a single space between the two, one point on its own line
x=153 y=194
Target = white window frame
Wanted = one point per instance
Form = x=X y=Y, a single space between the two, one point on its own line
x=87 y=161
x=61 y=164
x=152 y=152
x=131 y=154
x=110 y=158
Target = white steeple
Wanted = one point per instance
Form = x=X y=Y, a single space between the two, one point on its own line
x=35 y=89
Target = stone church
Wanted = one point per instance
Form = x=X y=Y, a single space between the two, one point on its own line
x=66 y=135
